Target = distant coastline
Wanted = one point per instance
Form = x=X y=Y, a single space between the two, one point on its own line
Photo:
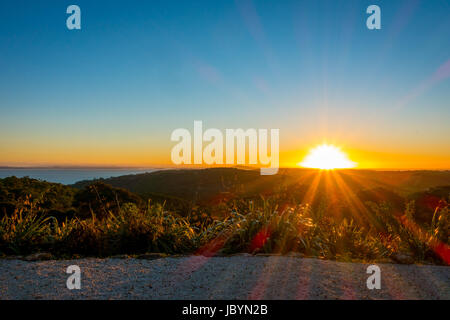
x=81 y=167
x=70 y=175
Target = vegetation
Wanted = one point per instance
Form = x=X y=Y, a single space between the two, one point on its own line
x=105 y=221
x=203 y=185
x=56 y=199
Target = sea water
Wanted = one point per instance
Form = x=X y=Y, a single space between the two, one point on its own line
x=68 y=176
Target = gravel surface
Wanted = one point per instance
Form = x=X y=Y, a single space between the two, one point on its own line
x=235 y=277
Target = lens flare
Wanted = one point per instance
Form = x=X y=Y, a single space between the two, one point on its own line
x=327 y=157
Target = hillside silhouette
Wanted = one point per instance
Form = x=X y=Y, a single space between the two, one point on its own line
x=210 y=185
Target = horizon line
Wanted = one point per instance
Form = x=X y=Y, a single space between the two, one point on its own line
x=191 y=167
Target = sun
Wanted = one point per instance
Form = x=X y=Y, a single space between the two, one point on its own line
x=327 y=157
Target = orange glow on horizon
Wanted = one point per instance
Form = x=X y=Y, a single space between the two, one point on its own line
x=158 y=155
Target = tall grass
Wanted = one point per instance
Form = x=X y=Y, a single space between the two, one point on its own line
x=25 y=230
x=253 y=226
x=266 y=229
x=131 y=230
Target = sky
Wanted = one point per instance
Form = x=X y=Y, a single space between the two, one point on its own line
x=112 y=93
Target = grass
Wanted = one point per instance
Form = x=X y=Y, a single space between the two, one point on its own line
x=253 y=226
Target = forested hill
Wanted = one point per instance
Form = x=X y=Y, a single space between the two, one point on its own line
x=201 y=184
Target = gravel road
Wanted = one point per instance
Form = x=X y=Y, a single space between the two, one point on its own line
x=235 y=277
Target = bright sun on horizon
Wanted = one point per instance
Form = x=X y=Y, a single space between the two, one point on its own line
x=327 y=157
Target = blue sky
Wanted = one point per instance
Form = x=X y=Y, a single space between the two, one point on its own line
x=137 y=70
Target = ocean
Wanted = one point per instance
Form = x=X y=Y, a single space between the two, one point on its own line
x=68 y=176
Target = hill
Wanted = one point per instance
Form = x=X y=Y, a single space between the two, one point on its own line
x=17 y=192
x=206 y=184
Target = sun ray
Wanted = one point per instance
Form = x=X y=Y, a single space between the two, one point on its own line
x=312 y=189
